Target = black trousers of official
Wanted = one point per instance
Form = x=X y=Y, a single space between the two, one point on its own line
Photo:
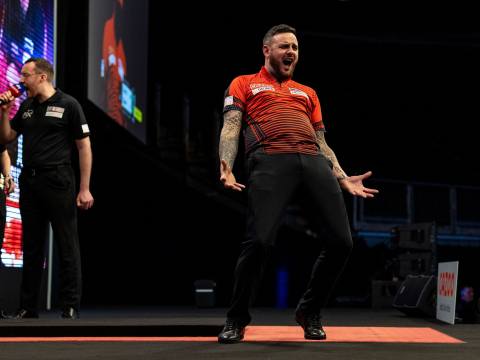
x=50 y=196
x=3 y=218
x=273 y=181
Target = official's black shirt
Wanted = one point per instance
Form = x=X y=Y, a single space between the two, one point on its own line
x=49 y=130
x=2 y=148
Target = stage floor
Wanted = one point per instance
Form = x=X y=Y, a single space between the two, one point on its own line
x=186 y=332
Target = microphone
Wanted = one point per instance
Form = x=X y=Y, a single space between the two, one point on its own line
x=16 y=90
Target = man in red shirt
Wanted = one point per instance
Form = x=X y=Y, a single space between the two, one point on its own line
x=285 y=142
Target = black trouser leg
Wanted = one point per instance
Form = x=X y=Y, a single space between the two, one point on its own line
x=3 y=218
x=325 y=200
x=50 y=197
x=273 y=180
x=62 y=213
x=3 y=214
x=270 y=189
x=35 y=229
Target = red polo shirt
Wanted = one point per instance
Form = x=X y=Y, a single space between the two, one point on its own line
x=278 y=118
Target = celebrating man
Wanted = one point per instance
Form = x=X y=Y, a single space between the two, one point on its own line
x=50 y=122
x=285 y=142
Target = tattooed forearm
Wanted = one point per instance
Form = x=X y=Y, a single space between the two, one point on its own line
x=330 y=155
x=228 y=147
x=324 y=149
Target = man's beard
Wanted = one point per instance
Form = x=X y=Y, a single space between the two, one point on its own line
x=279 y=72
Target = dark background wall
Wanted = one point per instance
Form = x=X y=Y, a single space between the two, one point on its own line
x=399 y=87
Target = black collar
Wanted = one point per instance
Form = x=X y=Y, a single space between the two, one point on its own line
x=52 y=99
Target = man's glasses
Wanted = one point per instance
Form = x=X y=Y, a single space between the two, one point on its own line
x=25 y=75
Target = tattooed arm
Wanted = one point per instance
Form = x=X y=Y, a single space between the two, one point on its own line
x=352 y=184
x=330 y=155
x=232 y=123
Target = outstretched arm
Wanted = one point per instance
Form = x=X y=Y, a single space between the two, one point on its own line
x=352 y=184
x=228 y=148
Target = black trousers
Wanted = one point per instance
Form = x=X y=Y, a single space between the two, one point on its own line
x=50 y=196
x=273 y=180
x=3 y=214
x=3 y=218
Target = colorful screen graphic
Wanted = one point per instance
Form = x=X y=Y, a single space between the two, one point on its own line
x=117 y=61
x=26 y=30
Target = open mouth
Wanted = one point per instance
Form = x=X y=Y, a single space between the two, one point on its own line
x=287 y=63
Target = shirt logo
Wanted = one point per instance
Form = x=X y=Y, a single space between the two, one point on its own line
x=297 y=92
x=85 y=128
x=54 y=114
x=56 y=109
x=253 y=86
x=27 y=114
x=228 y=101
x=257 y=90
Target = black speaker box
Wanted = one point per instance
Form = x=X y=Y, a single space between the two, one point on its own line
x=417 y=296
x=383 y=293
x=420 y=236
x=415 y=264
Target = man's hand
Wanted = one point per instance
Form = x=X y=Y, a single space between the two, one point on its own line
x=354 y=185
x=84 y=200
x=9 y=185
x=7 y=100
x=227 y=178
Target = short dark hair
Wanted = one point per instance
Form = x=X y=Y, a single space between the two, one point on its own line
x=42 y=65
x=279 y=29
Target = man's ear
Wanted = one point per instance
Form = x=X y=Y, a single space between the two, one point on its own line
x=266 y=50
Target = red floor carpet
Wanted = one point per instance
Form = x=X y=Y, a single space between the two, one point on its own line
x=291 y=334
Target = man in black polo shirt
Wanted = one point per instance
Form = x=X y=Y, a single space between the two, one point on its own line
x=50 y=121
x=9 y=186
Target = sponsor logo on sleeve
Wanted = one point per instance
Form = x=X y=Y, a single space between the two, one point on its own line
x=55 y=111
x=228 y=101
x=263 y=88
x=297 y=92
x=85 y=128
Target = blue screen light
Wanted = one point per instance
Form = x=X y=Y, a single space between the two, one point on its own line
x=127 y=98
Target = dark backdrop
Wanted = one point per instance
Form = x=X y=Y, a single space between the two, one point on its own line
x=398 y=84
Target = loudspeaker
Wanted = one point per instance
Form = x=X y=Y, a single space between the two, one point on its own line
x=383 y=293
x=415 y=263
x=417 y=296
x=420 y=236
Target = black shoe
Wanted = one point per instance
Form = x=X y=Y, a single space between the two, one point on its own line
x=311 y=325
x=70 y=313
x=3 y=316
x=25 y=314
x=232 y=333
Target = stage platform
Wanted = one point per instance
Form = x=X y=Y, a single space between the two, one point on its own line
x=186 y=332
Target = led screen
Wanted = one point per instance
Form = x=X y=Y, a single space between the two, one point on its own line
x=117 y=61
x=26 y=30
